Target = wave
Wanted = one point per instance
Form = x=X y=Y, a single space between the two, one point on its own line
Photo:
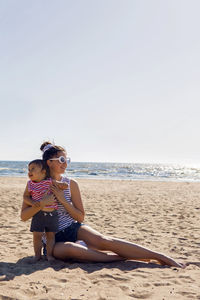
x=125 y=171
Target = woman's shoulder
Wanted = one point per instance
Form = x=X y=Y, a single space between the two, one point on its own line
x=74 y=185
x=72 y=182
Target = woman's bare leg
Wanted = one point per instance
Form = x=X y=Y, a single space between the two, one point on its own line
x=121 y=247
x=78 y=252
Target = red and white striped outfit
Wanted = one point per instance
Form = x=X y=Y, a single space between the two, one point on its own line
x=38 y=189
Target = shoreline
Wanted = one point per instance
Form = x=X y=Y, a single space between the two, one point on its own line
x=163 y=216
x=114 y=179
x=115 y=171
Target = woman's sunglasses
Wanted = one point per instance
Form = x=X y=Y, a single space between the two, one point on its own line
x=62 y=159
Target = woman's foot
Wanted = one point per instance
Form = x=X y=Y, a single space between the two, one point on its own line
x=167 y=261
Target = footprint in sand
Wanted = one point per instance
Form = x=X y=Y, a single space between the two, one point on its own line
x=141 y=295
x=186 y=279
x=161 y=284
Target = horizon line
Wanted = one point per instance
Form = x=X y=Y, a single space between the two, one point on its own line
x=121 y=162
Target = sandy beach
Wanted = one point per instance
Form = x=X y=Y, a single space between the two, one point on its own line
x=163 y=216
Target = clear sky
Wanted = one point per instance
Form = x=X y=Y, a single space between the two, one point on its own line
x=111 y=80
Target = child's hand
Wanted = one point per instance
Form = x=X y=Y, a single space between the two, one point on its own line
x=58 y=193
x=60 y=185
x=36 y=204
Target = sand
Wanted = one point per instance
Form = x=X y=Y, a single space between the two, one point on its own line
x=163 y=216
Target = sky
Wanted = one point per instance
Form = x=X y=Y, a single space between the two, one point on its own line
x=110 y=80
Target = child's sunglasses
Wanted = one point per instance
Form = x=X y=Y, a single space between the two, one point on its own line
x=62 y=159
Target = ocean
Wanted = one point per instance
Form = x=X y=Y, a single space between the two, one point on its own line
x=122 y=171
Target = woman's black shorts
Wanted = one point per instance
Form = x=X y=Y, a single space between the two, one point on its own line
x=68 y=234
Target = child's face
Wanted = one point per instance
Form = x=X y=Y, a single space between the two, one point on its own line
x=35 y=172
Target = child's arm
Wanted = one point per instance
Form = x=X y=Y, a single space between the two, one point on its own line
x=60 y=185
x=27 y=198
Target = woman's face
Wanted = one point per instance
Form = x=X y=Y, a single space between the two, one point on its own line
x=55 y=165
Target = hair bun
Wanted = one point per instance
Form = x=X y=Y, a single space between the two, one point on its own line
x=44 y=145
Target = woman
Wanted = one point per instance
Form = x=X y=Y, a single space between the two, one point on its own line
x=71 y=215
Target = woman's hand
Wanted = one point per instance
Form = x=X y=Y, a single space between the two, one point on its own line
x=58 y=193
x=48 y=199
x=74 y=209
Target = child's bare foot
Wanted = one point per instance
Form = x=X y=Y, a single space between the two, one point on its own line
x=36 y=259
x=50 y=258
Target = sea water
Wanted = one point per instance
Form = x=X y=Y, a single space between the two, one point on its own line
x=124 y=171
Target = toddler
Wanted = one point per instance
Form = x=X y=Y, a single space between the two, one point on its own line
x=46 y=220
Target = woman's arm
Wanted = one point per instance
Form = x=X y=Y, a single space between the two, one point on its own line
x=28 y=211
x=28 y=200
x=75 y=209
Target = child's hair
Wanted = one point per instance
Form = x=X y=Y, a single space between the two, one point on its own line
x=38 y=162
x=42 y=164
x=51 y=151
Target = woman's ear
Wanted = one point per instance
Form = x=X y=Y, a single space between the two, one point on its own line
x=48 y=162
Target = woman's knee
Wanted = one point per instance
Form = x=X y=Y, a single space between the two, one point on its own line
x=64 y=250
x=102 y=241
